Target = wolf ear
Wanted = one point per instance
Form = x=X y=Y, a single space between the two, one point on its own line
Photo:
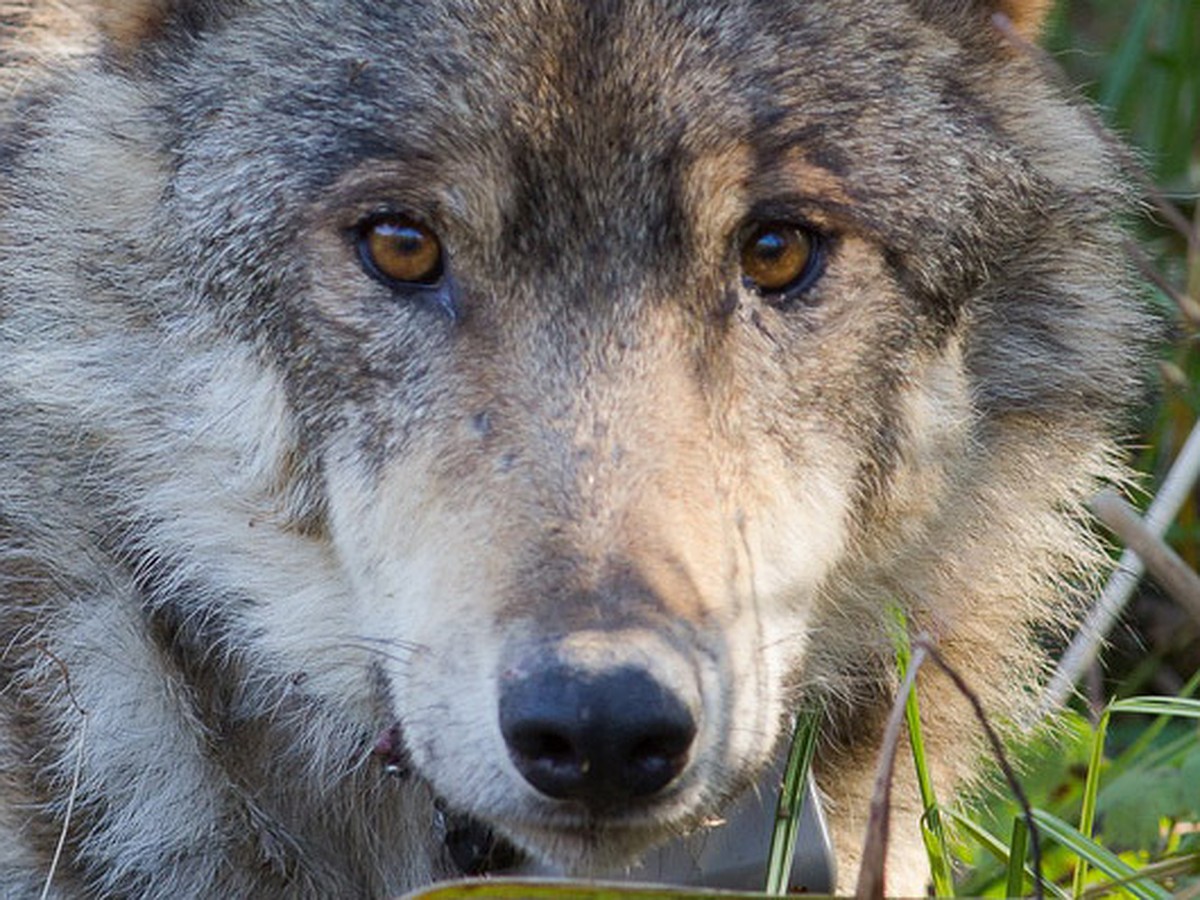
x=1027 y=16
x=129 y=24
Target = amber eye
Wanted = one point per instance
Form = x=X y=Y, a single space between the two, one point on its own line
x=780 y=258
x=398 y=250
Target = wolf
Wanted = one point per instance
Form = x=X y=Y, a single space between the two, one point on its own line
x=511 y=413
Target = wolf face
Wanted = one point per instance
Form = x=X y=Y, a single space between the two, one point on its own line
x=565 y=387
x=577 y=461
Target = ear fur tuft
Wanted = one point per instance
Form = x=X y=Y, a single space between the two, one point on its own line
x=1027 y=16
x=128 y=25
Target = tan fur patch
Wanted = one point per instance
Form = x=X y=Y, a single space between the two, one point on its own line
x=129 y=23
x=815 y=180
x=716 y=185
x=1027 y=15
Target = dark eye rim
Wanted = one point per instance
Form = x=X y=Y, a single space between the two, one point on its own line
x=813 y=269
x=361 y=233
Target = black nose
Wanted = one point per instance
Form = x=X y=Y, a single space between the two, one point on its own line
x=600 y=739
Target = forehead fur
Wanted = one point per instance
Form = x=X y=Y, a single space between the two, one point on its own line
x=582 y=112
x=628 y=81
x=129 y=24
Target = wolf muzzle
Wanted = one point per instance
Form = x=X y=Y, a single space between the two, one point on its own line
x=601 y=736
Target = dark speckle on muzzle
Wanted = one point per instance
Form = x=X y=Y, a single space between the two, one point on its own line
x=602 y=739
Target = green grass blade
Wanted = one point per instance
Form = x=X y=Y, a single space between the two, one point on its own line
x=1151 y=733
x=1175 y=867
x=1178 y=707
x=1098 y=857
x=934 y=837
x=1091 y=788
x=1120 y=79
x=791 y=804
x=932 y=832
x=996 y=847
x=1017 y=847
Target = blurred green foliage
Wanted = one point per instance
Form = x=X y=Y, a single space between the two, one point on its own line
x=1140 y=61
x=1147 y=809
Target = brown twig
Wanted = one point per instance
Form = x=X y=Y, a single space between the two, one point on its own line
x=1163 y=563
x=1035 y=850
x=66 y=675
x=871 y=871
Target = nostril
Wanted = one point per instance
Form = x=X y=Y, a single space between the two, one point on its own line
x=548 y=759
x=545 y=745
x=653 y=762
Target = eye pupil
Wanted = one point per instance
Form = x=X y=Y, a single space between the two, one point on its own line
x=400 y=250
x=771 y=247
x=778 y=257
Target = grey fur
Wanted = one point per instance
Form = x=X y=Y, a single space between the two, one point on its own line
x=255 y=507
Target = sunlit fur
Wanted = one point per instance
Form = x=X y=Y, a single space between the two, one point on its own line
x=258 y=507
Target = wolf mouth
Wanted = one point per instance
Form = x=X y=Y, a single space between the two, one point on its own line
x=569 y=837
x=478 y=848
x=482 y=841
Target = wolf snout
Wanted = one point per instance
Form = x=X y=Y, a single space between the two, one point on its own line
x=601 y=739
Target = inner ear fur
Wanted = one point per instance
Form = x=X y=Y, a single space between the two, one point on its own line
x=1027 y=16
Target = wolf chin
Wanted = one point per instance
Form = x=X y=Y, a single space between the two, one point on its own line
x=513 y=411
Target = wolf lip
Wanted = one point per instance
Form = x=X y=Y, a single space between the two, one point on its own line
x=389 y=750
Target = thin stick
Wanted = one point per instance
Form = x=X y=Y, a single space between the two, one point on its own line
x=1035 y=850
x=1163 y=563
x=871 y=872
x=1175 y=490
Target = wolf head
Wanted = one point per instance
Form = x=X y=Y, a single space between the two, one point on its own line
x=571 y=382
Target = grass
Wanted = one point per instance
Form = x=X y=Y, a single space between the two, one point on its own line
x=1130 y=806
x=1087 y=864
x=791 y=798
x=932 y=833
